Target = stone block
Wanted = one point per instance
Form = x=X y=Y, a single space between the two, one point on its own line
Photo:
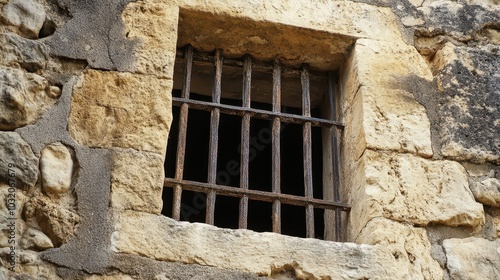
x=266 y=254
x=27 y=15
x=16 y=51
x=472 y=258
x=487 y=191
x=137 y=181
x=24 y=97
x=35 y=240
x=110 y=109
x=11 y=206
x=17 y=160
x=391 y=117
x=408 y=245
x=469 y=81
x=154 y=24
x=410 y=189
x=56 y=166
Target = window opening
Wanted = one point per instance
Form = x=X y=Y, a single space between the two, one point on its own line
x=235 y=161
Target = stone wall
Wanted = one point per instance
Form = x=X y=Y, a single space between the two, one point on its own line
x=85 y=114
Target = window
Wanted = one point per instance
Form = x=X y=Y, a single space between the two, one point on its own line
x=253 y=145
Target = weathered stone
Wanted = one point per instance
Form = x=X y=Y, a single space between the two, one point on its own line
x=469 y=79
x=154 y=23
x=110 y=109
x=408 y=245
x=11 y=206
x=57 y=223
x=35 y=240
x=472 y=258
x=29 y=265
x=16 y=51
x=24 y=97
x=410 y=189
x=265 y=254
x=19 y=164
x=27 y=15
x=56 y=166
x=137 y=181
x=389 y=117
x=487 y=192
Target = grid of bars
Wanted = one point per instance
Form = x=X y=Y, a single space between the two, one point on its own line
x=244 y=193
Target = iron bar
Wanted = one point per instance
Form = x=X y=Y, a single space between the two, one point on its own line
x=276 y=164
x=307 y=151
x=335 y=163
x=181 y=144
x=255 y=113
x=255 y=194
x=214 y=137
x=245 y=142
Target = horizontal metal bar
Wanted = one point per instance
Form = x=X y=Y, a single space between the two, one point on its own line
x=255 y=195
x=255 y=113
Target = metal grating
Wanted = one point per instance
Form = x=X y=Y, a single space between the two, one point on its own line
x=244 y=193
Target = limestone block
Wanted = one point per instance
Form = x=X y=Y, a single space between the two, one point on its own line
x=56 y=166
x=29 y=265
x=487 y=192
x=265 y=254
x=376 y=87
x=472 y=258
x=414 y=190
x=57 y=223
x=409 y=246
x=137 y=181
x=27 y=15
x=469 y=81
x=19 y=164
x=35 y=239
x=24 y=97
x=110 y=109
x=16 y=51
x=154 y=24
x=11 y=206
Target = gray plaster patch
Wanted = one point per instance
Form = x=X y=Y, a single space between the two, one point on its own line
x=96 y=33
x=88 y=249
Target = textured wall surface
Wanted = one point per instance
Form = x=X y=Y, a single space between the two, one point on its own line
x=85 y=115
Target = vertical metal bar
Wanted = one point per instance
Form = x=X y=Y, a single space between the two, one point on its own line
x=181 y=144
x=214 y=137
x=245 y=141
x=307 y=150
x=276 y=162
x=336 y=173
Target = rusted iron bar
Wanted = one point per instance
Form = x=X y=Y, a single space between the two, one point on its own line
x=181 y=143
x=255 y=194
x=214 y=137
x=335 y=159
x=307 y=151
x=245 y=141
x=255 y=113
x=256 y=65
x=276 y=164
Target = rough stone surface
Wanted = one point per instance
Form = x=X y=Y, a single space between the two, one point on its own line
x=472 y=258
x=153 y=25
x=137 y=181
x=56 y=166
x=384 y=114
x=24 y=97
x=121 y=110
x=463 y=73
x=266 y=254
x=410 y=189
x=16 y=155
x=27 y=15
x=16 y=51
x=409 y=246
x=35 y=240
x=487 y=192
x=8 y=212
x=29 y=265
x=57 y=223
